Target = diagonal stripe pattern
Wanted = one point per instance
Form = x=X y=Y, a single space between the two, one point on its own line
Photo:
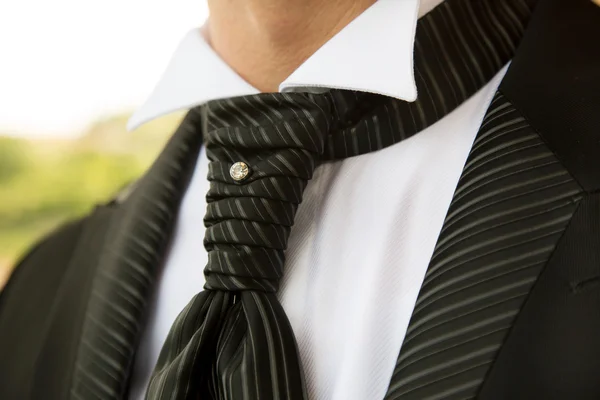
x=234 y=341
x=511 y=206
x=459 y=46
x=127 y=270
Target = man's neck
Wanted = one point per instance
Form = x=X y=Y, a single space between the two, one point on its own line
x=264 y=41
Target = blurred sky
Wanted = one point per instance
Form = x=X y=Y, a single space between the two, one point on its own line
x=64 y=63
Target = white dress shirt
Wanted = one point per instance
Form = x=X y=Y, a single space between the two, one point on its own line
x=367 y=227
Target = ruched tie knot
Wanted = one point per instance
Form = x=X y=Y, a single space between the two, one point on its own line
x=249 y=216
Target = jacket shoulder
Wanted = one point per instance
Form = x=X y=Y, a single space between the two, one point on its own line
x=44 y=294
x=44 y=257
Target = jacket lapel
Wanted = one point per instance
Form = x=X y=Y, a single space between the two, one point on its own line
x=518 y=192
x=552 y=350
x=510 y=208
x=134 y=247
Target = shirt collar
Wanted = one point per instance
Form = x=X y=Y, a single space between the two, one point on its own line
x=374 y=53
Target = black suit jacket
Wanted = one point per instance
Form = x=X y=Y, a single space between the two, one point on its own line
x=510 y=305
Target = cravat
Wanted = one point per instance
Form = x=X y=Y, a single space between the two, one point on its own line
x=233 y=340
x=263 y=150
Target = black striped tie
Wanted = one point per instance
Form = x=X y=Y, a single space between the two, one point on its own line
x=233 y=340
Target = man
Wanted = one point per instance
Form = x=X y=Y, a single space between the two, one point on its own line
x=409 y=210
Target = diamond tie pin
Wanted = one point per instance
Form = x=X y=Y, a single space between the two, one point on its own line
x=239 y=171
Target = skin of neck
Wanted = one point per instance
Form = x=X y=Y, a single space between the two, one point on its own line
x=264 y=41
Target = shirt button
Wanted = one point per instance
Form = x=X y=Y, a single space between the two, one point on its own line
x=239 y=171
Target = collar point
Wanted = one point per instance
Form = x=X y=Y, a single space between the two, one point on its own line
x=408 y=94
x=133 y=123
x=412 y=96
x=140 y=118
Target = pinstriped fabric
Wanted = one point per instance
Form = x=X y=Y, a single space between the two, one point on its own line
x=257 y=216
x=127 y=271
x=511 y=206
x=233 y=340
x=459 y=47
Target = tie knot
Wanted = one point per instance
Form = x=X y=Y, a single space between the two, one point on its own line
x=244 y=268
x=262 y=149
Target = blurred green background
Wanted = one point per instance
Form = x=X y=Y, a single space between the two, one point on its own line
x=45 y=182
